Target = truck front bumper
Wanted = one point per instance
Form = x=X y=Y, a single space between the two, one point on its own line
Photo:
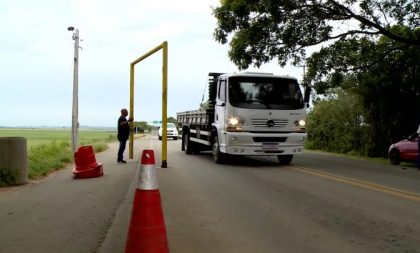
x=245 y=143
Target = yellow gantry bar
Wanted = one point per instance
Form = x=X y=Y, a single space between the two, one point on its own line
x=163 y=46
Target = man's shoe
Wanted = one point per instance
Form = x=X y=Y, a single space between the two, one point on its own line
x=122 y=161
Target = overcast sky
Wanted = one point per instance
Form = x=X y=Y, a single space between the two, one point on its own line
x=36 y=49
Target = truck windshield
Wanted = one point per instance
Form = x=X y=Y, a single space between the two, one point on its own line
x=265 y=93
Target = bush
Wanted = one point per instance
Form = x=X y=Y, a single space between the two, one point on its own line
x=7 y=176
x=48 y=157
x=336 y=124
x=99 y=147
x=45 y=158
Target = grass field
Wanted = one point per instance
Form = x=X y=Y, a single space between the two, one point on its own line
x=38 y=136
x=49 y=149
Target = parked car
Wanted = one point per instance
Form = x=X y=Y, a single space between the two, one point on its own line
x=171 y=131
x=404 y=151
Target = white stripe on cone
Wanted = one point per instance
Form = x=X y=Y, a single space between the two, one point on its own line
x=147 y=178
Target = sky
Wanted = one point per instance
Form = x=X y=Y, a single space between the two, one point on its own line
x=37 y=50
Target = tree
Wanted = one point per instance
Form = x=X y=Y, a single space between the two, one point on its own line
x=337 y=124
x=386 y=76
x=355 y=56
x=142 y=125
x=370 y=48
x=262 y=30
x=391 y=97
x=204 y=105
x=171 y=120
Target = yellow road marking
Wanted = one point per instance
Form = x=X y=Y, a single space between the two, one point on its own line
x=361 y=183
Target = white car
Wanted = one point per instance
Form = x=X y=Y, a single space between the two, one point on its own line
x=171 y=131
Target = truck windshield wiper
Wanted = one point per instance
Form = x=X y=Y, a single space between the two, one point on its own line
x=257 y=101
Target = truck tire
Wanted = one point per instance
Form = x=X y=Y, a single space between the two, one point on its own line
x=159 y=137
x=188 y=145
x=285 y=159
x=218 y=156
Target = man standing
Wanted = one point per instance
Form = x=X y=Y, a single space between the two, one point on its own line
x=123 y=133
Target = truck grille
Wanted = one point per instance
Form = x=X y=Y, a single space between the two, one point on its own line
x=278 y=123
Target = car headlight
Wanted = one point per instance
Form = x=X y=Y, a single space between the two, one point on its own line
x=234 y=123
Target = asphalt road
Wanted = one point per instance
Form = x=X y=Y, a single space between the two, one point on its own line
x=61 y=214
x=321 y=203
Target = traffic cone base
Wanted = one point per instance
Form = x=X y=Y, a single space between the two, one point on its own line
x=147 y=232
x=96 y=171
x=148 y=240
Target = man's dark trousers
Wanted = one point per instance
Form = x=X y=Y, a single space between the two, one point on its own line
x=121 y=150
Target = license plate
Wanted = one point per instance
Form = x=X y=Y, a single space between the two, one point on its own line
x=270 y=146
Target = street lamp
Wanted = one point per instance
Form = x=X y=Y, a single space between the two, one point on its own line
x=75 y=109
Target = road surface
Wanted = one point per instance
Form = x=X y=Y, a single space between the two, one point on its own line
x=320 y=203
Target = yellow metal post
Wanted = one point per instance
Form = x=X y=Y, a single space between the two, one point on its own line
x=163 y=46
x=164 y=104
x=131 y=141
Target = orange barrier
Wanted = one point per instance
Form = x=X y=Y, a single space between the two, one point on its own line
x=147 y=232
x=86 y=165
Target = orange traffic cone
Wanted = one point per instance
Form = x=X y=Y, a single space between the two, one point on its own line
x=85 y=163
x=147 y=233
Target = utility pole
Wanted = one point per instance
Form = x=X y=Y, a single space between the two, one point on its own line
x=75 y=108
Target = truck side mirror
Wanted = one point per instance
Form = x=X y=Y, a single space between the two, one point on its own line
x=307 y=95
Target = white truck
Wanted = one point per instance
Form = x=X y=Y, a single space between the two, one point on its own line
x=248 y=114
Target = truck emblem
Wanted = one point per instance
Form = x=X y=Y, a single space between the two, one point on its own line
x=270 y=123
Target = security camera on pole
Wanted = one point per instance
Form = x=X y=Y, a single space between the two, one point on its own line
x=75 y=110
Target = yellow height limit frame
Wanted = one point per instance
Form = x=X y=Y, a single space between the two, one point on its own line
x=163 y=46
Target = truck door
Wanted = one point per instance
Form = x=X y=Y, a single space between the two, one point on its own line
x=219 y=114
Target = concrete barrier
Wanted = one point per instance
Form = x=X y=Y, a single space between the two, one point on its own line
x=13 y=158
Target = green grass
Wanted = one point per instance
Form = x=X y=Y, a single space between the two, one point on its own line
x=352 y=155
x=7 y=176
x=49 y=149
x=45 y=158
x=39 y=136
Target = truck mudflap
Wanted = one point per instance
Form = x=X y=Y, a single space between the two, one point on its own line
x=240 y=143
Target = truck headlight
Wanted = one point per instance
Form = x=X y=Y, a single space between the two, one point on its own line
x=234 y=123
x=300 y=125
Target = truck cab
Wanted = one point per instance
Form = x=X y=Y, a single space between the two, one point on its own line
x=251 y=114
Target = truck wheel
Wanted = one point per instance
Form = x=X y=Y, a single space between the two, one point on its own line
x=285 y=159
x=218 y=156
x=187 y=144
x=160 y=137
x=182 y=143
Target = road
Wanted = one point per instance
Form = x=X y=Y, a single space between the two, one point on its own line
x=61 y=214
x=320 y=203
